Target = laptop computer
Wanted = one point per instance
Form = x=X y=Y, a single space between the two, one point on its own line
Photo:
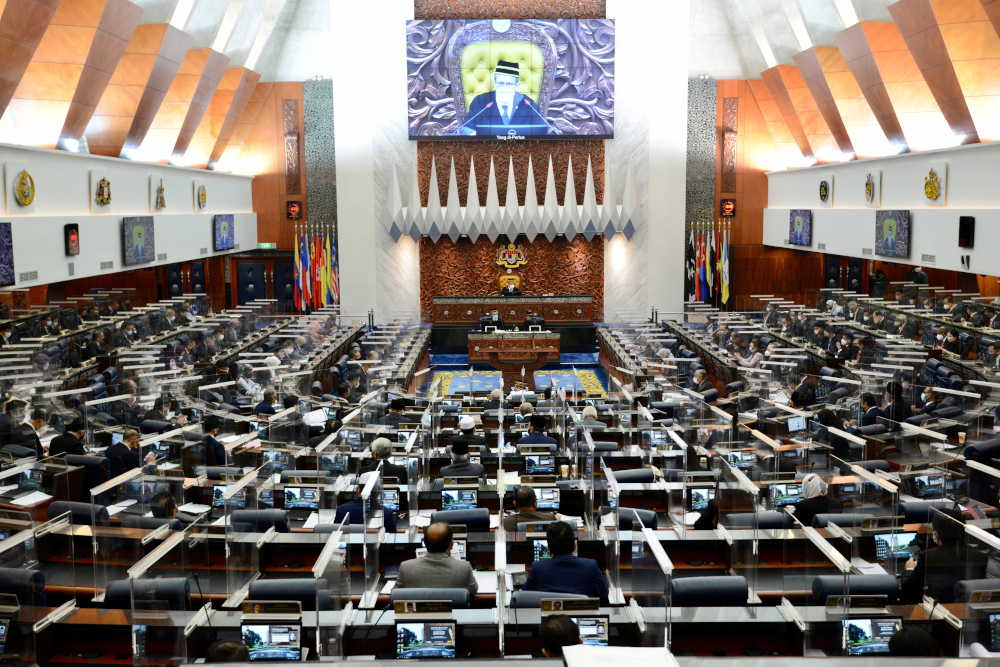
x=238 y=501
x=869 y=636
x=548 y=498
x=301 y=501
x=783 y=493
x=539 y=464
x=894 y=546
x=459 y=499
x=700 y=496
x=272 y=642
x=28 y=481
x=390 y=500
x=425 y=639
x=594 y=630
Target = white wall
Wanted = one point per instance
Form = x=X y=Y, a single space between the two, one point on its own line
x=63 y=195
x=848 y=226
x=651 y=134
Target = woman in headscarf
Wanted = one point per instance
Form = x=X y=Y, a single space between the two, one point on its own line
x=815 y=501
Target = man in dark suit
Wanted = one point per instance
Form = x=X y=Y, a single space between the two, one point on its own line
x=490 y=113
x=266 y=406
x=125 y=336
x=770 y=316
x=382 y=451
x=804 y=385
x=394 y=417
x=870 y=411
x=215 y=451
x=510 y=289
x=564 y=572
x=853 y=313
x=702 y=383
x=536 y=433
x=895 y=406
x=354 y=382
x=525 y=509
x=70 y=442
x=125 y=456
x=356 y=508
x=461 y=466
x=492 y=320
x=158 y=413
x=531 y=319
x=935 y=571
x=928 y=402
x=990 y=321
x=496 y=401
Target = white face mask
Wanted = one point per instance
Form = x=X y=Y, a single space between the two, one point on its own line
x=768 y=353
x=845 y=341
x=940 y=337
x=867 y=318
x=951 y=339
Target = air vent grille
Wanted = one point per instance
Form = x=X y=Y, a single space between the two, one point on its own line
x=867 y=251
x=28 y=275
x=107 y=265
x=821 y=246
x=72 y=268
x=161 y=257
x=928 y=258
x=204 y=251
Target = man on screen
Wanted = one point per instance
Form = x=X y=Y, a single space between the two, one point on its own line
x=503 y=109
x=798 y=238
x=138 y=242
x=889 y=236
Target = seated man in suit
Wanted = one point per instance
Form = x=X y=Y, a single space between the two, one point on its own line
x=496 y=401
x=701 y=381
x=355 y=509
x=71 y=442
x=564 y=572
x=895 y=406
x=461 y=466
x=382 y=451
x=804 y=385
x=536 y=432
x=215 y=451
x=532 y=320
x=510 y=289
x=437 y=569
x=394 y=415
x=870 y=411
x=491 y=320
x=125 y=456
x=936 y=570
x=928 y=402
x=266 y=406
x=590 y=418
x=525 y=509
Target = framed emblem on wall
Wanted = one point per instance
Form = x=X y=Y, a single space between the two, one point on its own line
x=873 y=188
x=826 y=190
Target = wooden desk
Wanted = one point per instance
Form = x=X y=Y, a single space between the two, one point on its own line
x=468 y=310
x=511 y=351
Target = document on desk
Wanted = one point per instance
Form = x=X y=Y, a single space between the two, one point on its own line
x=388 y=587
x=31 y=499
x=867 y=568
x=487 y=581
x=311 y=521
x=600 y=656
x=494 y=521
x=194 y=508
x=421 y=519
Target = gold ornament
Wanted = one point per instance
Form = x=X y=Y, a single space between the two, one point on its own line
x=870 y=188
x=932 y=188
x=161 y=200
x=104 y=192
x=25 y=188
x=202 y=197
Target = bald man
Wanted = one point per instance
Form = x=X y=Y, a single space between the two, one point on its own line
x=437 y=569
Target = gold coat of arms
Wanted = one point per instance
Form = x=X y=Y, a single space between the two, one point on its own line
x=932 y=186
x=25 y=188
x=104 y=192
x=869 y=188
x=512 y=256
x=202 y=197
x=161 y=199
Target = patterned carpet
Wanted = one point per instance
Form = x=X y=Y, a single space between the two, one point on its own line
x=457 y=382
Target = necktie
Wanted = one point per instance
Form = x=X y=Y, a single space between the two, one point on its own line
x=506 y=118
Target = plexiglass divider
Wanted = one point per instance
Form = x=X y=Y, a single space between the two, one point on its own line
x=333 y=592
x=374 y=531
x=737 y=501
x=18 y=552
x=243 y=535
x=650 y=602
x=610 y=533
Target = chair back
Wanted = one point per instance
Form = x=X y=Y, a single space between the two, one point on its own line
x=722 y=591
x=475 y=521
x=81 y=514
x=175 y=591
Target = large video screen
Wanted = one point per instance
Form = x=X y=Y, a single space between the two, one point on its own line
x=892 y=233
x=507 y=80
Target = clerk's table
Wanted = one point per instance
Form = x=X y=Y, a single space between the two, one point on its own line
x=510 y=351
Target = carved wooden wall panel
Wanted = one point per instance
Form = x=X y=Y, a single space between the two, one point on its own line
x=508 y=9
x=469 y=269
x=465 y=151
x=290 y=119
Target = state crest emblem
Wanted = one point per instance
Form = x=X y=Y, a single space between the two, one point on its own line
x=932 y=186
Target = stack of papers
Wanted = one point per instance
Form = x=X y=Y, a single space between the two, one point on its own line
x=31 y=499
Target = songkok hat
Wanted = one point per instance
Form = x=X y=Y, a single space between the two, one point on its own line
x=507 y=67
x=461 y=448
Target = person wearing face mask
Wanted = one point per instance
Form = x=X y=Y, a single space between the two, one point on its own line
x=753 y=358
x=491 y=320
x=6 y=334
x=845 y=348
x=878 y=321
x=491 y=113
x=804 y=386
x=829 y=340
x=928 y=402
x=770 y=316
x=992 y=359
x=866 y=318
x=125 y=336
x=769 y=352
x=816 y=336
x=815 y=501
x=951 y=343
x=894 y=327
x=785 y=326
x=852 y=313
x=936 y=570
x=895 y=407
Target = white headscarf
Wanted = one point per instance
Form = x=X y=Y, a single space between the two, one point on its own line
x=813 y=486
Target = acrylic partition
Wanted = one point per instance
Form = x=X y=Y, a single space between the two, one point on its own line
x=374 y=530
x=19 y=562
x=610 y=532
x=248 y=525
x=650 y=585
x=737 y=502
x=332 y=573
x=168 y=600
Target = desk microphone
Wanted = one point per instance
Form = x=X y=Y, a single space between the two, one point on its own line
x=475 y=115
x=208 y=616
x=544 y=119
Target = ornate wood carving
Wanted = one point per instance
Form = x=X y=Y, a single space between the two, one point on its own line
x=509 y=9
x=730 y=109
x=465 y=269
x=290 y=123
x=465 y=151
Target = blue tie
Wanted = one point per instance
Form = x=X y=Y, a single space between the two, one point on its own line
x=506 y=118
